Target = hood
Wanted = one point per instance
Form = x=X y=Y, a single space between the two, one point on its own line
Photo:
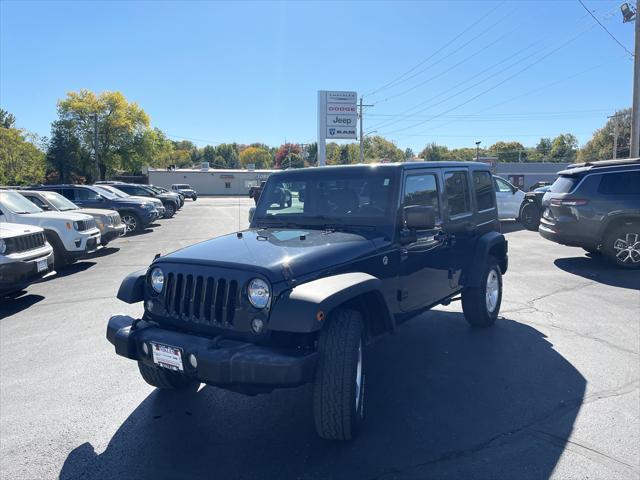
x=44 y=219
x=186 y=190
x=96 y=211
x=132 y=200
x=155 y=201
x=267 y=251
x=8 y=230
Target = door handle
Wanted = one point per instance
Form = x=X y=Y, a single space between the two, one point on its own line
x=404 y=254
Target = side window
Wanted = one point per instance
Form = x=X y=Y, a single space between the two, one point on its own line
x=502 y=186
x=484 y=190
x=457 y=190
x=623 y=183
x=68 y=193
x=422 y=190
x=85 y=194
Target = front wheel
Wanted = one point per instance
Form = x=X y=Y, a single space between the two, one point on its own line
x=481 y=304
x=131 y=222
x=622 y=245
x=194 y=198
x=169 y=211
x=338 y=390
x=530 y=217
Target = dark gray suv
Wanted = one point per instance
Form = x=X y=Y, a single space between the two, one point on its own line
x=596 y=206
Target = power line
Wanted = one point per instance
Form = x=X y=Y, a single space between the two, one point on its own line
x=605 y=28
x=399 y=79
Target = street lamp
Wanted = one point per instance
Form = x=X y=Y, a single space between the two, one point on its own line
x=478 y=150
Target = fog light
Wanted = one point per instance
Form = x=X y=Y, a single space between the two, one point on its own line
x=193 y=360
x=257 y=325
x=145 y=349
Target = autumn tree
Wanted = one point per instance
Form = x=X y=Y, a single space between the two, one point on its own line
x=258 y=156
x=21 y=161
x=284 y=150
x=600 y=147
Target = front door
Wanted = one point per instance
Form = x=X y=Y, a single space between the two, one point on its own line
x=508 y=201
x=424 y=265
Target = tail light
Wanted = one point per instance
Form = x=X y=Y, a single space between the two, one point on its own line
x=568 y=202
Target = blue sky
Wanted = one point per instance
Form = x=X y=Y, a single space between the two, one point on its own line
x=245 y=72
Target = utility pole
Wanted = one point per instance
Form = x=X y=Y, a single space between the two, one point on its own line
x=629 y=15
x=362 y=131
x=615 y=133
x=95 y=145
x=478 y=151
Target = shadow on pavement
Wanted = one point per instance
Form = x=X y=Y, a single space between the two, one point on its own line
x=17 y=302
x=71 y=269
x=510 y=226
x=106 y=251
x=597 y=268
x=443 y=401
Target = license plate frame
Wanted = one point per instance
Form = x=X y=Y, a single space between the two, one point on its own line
x=167 y=356
x=42 y=265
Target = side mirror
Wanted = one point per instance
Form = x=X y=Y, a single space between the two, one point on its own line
x=418 y=217
x=252 y=210
x=46 y=208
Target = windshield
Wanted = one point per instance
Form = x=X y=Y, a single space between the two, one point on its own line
x=112 y=191
x=104 y=193
x=328 y=198
x=59 y=202
x=16 y=203
x=185 y=187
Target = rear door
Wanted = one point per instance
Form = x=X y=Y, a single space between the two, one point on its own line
x=508 y=200
x=87 y=198
x=424 y=264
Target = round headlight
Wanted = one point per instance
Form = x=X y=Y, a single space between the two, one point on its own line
x=157 y=280
x=258 y=293
x=3 y=246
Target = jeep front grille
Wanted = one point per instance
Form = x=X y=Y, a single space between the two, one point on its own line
x=200 y=299
x=24 y=243
x=84 y=225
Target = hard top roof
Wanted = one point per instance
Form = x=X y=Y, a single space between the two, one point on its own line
x=389 y=166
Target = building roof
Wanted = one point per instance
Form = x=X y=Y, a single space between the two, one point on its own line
x=212 y=170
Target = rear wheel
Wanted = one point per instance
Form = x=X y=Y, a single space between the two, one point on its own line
x=166 y=379
x=621 y=245
x=338 y=390
x=481 y=304
x=530 y=217
x=132 y=222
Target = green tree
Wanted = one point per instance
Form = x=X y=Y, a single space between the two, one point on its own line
x=285 y=150
x=118 y=122
x=564 y=148
x=229 y=152
x=408 y=154
x=600 y=147
x=259 y=156
x=434 y=153
x=21 y=162
x=378 y=148
x=293 y=160
x=66 y=158
x=7 y=120
x=508 y=151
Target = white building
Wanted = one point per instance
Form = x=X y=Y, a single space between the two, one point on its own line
x=210 y=181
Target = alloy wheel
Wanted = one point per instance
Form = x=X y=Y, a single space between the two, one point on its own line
x=492 y=291
x=627 y=249
x=130 y=223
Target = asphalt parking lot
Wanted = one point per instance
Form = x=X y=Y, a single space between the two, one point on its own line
x=551 y=391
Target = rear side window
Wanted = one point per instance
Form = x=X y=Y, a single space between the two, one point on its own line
x=85 y=194
x=421 y=190
x=457 y=190
x=564 y=184
x=623 y=183
x=484 y=190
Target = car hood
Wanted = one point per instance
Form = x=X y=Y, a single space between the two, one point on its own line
x=132 y=201
x=97 y=211
x=8 y=230
x=277 y=254
x=42 y=218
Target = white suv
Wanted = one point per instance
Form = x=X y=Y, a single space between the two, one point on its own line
x=25 y=256
x=72 y=235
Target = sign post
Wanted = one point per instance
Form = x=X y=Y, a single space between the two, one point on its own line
x=337 y=118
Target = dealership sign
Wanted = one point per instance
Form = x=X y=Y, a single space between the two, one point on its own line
x=337 y=115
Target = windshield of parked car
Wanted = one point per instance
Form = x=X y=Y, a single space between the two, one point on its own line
x=16 y=203
x=113 y=191
x=59 y=202
x=332 y=197
x=185 y=187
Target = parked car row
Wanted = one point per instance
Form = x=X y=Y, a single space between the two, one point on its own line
x=45 y=227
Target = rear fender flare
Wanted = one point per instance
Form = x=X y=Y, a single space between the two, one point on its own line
x=298 y=310
x=487 y=244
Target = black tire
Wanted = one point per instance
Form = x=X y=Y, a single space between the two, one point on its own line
x=288 y=200
x=530 y=217
x=621 y=245
x=165 y=379
x=132 y=222
x=338 y=400
x=194 y=198
x=475 y=303
x=60 y=258
x=169 y=210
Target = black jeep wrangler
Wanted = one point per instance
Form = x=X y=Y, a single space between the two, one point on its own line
x=296 y=297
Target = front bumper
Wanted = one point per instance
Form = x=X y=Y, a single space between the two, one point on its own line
x=221 y=361
x=111 y=233
x=17 y=275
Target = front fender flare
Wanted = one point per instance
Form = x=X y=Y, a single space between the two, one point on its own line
x=132 y=287
x=487 y=244
x=296 y=310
